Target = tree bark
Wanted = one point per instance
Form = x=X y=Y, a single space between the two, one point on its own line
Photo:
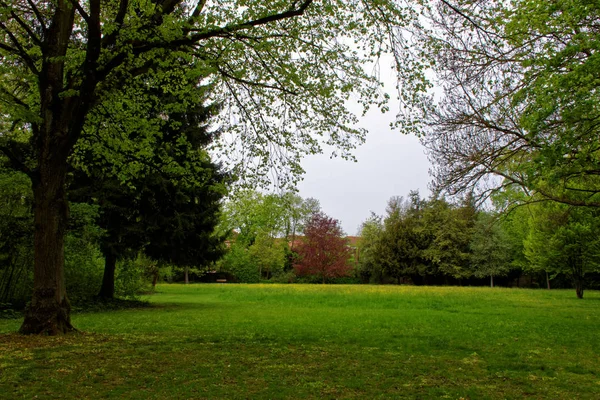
x=187 y=274
x=53 y=139
x=49 y=309
x=107 y=290
x=547 y=280
x=492 y=281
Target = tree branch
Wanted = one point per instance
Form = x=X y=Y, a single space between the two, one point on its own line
x=38 y=15
x=81 y=11
x=20 y=50
x=25 y=26
x=257 y=84
x=15 y=160
x=465 y=16
x=111 y=38
x=14 y=98
x=195 y=38
x=199 y=8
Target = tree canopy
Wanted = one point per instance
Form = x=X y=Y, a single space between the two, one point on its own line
x=324 y=251
x=519 y=98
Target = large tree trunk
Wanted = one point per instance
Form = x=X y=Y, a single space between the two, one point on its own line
x=53 y=139
x=107 y=290
x=49 y=309
x=492 y=281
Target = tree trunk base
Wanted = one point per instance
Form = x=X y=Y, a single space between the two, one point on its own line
x=45 y=316
x=104 y=297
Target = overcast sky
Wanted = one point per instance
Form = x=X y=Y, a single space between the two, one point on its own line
x=389 y=164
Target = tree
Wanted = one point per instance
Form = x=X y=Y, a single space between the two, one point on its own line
x=239 y=262
x=265 y=224
x=297 y=212
x=268 y=254
x=252 y=214
x=490 y=248
x=324 y=251
x=118 y=217
x=370 y=233
x=159 y=209
x=180 y=220
x=563 y=239
x=284 y=68
x=519 y=101
x=419 y=238
x=450 y=229
x=403 y=239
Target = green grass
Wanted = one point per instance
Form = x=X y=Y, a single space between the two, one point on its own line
x=313 y=341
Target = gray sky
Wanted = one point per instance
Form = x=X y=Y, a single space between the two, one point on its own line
x=389 y=164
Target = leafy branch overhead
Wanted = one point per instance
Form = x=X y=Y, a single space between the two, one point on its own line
x=282 y=69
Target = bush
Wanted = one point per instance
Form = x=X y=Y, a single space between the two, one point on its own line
x=286 y=277
x=84 y=263
x=84 y=267
x=240 y=264
x=131 y=278
x=7 y=311
x=345 y=280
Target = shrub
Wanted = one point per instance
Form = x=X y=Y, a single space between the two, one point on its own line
x=131 y=278
x=240 y=264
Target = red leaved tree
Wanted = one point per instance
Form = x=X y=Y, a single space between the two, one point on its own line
x=324 y=251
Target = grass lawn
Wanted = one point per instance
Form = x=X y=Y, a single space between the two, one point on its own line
x=321 y=342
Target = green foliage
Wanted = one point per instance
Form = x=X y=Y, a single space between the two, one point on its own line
x=369 y=268
x=490 y=247
x=132 y=278
x=240 y=264
x=84 y=266
x=520 y=97
x=266 y=225
x=564 y=239
x=84 y=262
x=417 y=238
x=450 y=229
x=269 y=255
x=403 y=239
x=252 y=214
x=284 y=72
x=16 y=238
x=285 y=277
